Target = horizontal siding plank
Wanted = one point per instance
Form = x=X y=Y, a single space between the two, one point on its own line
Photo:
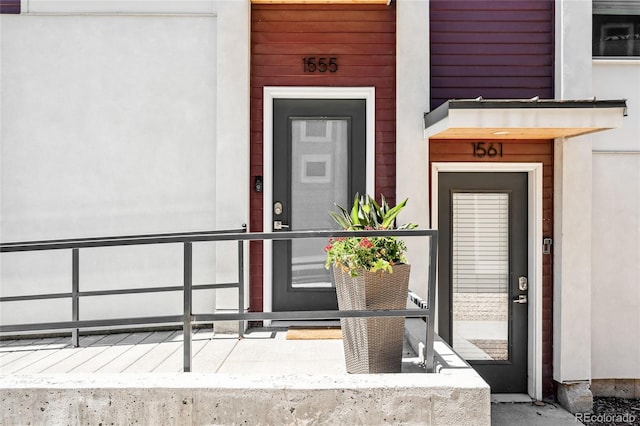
x=342 y=27
x=492 y=27
x=490 y=71
x=524 y=158
x=489 y=49
x=10 y=6
x=269 y=14
x=447 y=147
x=268 y=59
x=320 y=48
x=491 y=93
x=490 y=37
x=326 y=8
x=454 y=61
x=492 y=16
x=343 y=71
x=333 y=37
x=497 y=81
x=519 y=5
x=322 y=80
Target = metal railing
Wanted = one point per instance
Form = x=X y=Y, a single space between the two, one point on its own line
x=188 y=318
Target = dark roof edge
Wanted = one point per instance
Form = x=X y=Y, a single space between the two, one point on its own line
x=442 y=111
x=434 y=116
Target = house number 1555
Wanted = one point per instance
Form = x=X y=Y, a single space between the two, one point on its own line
x=484 y=149
x=319 y=64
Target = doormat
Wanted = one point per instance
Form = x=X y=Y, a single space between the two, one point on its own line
x=314 y=333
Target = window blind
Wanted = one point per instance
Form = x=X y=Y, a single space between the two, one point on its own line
x=480 y=242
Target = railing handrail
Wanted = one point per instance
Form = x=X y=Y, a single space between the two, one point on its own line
x=193 y=237
x=68 y=243
x=425 y=308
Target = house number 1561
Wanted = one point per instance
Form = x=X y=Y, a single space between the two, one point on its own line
x=484 y=149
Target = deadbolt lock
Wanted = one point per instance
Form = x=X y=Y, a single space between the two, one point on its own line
x=277 y=208
x=523 y=284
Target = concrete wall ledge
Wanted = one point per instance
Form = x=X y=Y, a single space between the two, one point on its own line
x=192 y=398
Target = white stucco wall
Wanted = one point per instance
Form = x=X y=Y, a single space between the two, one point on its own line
x=615 y=319
x=108 y=128
x=412 y=101
x=572 y=202
x=232 y=138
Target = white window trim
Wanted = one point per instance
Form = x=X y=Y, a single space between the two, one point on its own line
x=303 y=92
x=534 y=171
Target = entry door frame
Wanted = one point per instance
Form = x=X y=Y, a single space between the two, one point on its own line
x=534 y=249
x=304 y=92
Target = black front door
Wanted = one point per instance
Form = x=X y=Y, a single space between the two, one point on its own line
x=482 y=290
x=318 y=160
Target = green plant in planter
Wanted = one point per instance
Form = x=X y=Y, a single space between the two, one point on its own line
x=367 y=253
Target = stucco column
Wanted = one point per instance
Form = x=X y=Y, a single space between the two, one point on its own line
x=412 y=101
x=572 y=215
x=572 y=260
x=232 y=137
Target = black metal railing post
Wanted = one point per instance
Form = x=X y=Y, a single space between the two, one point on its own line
x=75 y=290
x=431 y=297
x=240 y=286
x=186 y=324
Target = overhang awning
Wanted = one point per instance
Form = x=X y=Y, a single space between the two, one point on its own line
x=522 y=118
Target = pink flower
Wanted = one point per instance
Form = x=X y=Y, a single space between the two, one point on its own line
x=366 y=243
x=328 y=247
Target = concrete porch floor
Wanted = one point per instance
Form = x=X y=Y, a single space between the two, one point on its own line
x=41 y=378
x=261 y=379
x=260 y=351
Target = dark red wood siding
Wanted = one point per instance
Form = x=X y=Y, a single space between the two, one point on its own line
x=362 y=38
x=520 y=151
x=500 y=49
x=10 y=6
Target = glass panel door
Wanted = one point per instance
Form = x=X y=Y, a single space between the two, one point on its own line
x=482 y=261
x=319 y=178
x=318 y=147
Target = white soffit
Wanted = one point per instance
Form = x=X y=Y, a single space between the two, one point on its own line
x=522 y=119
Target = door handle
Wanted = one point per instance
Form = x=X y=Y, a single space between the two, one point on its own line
x=278 y=225
x=521 y=299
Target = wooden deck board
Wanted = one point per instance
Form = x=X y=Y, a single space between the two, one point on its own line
x=35 y=344
x=135 y=352
x=161 y=351
x=82 y=355
x=44 y=358
x=213 y=353
x=24 y=352
x=139 y=352
x=111 y=353
x=174 y=362
x=16 y=360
